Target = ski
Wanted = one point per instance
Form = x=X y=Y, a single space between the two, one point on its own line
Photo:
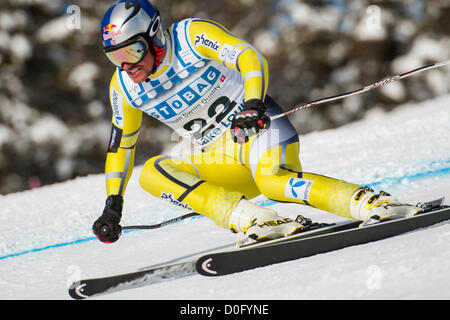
x=300 y=246
x=86 y=288
x=170 y=270
x=320 y=238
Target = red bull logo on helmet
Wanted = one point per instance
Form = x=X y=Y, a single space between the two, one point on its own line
x=110 y=33
x=109 y=27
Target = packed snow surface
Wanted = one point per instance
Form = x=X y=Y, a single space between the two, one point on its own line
x=46 y=240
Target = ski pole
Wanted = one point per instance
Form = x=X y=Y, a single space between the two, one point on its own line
x=363 y=89
x=161 y=224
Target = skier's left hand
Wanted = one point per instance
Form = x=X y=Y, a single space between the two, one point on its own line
x=249 y=121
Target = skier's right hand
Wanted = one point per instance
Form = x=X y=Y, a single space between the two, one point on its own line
x=106 y=227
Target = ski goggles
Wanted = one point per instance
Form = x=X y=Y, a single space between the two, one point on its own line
x=129 y=52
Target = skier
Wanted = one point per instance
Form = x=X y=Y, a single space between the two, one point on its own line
x=210 y=88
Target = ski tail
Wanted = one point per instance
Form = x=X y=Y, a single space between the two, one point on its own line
x=321 y=241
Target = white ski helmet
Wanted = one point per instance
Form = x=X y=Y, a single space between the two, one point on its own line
x=130 y=28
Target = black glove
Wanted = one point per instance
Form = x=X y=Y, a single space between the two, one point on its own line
x=107 y=228
x=249 y=121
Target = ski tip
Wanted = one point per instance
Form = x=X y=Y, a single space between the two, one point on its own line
x=76 y=291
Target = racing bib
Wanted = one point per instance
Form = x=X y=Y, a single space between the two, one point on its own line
x=195 y=96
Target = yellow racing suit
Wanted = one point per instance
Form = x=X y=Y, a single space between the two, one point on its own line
x=204 y=80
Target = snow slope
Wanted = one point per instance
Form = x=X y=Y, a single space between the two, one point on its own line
x=46 y=240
